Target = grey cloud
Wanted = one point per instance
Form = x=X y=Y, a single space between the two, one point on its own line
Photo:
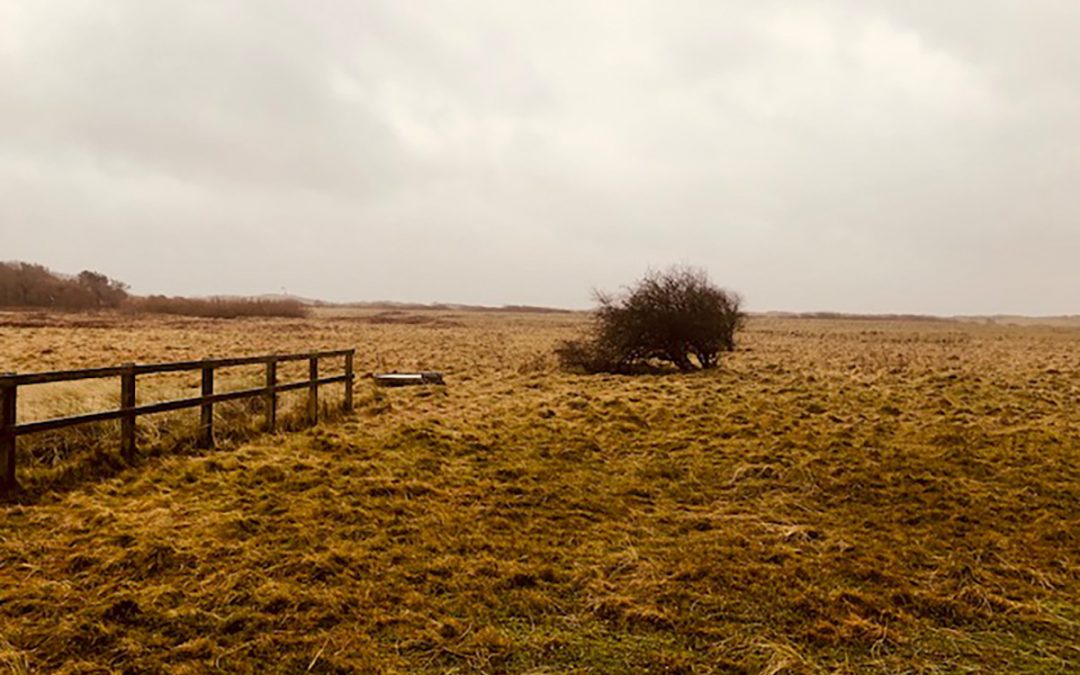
x=861 y=156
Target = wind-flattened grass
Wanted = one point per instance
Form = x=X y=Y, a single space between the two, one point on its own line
x=839 y=496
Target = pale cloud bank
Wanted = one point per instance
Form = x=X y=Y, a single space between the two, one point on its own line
x=842 y=155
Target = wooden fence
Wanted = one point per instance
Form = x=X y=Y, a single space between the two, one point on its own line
x=10 y=430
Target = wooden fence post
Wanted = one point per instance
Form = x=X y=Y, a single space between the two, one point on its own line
x=313 y=390
x=8 y=393
x=129 y=409
x=348 y=404
x=127 y=422
x=206 y=426
x=271 y=396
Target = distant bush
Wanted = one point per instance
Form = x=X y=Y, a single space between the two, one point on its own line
x=218 y=308
x=29 y=285
x=678 y=316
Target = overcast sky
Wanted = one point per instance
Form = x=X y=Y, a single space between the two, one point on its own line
x=849 y=155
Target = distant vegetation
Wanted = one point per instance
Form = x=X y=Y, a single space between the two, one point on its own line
x=678 y=316
x=217 y=308
x=453 y=307
x=30 y=285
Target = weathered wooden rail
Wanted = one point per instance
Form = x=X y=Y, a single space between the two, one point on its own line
x=128 y=411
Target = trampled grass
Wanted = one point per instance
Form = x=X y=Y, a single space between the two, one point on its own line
x=840 y=496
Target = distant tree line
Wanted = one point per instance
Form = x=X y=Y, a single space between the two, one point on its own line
x=31 y=285
x=217 y=308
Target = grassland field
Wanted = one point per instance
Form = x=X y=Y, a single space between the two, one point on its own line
x=840 y=496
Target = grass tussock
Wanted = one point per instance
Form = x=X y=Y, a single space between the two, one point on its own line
x=838 y=497
x=53 y=463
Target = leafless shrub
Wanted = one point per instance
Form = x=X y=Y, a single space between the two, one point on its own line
x=678 y=316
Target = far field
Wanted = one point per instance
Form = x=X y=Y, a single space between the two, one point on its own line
x=840 y=496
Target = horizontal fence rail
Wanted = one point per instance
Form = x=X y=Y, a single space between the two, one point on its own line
x=128 y=412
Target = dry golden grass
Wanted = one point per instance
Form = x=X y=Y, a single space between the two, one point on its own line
x=841 y=496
